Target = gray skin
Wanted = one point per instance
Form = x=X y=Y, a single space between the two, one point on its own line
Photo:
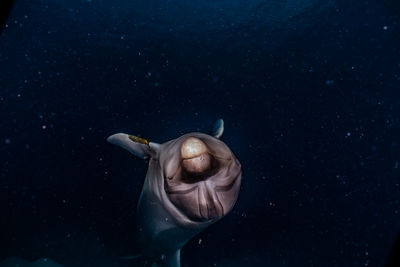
x=192 y=182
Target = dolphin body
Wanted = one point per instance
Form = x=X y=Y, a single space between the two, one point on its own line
x=192 y=182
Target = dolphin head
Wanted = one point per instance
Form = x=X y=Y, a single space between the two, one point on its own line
x=201 y=176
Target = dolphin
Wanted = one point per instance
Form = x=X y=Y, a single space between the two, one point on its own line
x=192 y=182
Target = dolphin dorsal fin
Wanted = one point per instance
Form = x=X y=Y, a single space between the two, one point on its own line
x=218 y=128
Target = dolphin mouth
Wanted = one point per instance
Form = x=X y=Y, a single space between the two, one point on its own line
x=197 y=165
x=189 y=176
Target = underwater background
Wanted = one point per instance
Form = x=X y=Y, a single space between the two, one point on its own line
x=309 y=92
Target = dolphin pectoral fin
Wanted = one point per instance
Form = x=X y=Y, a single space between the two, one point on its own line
x=218 y=128
x=137 y=146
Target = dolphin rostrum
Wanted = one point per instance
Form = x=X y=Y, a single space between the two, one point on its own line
x=192 y=182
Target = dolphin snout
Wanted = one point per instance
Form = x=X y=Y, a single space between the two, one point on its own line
x=195 y=156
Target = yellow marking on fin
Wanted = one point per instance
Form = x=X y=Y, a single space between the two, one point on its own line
x=138 y=139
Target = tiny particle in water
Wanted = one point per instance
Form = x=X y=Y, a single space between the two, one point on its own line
x=200 y=240
x=44 y=127
x=7 y=141
x=329 y=82
x=385 y=27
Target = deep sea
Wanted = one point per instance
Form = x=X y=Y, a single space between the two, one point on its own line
x=309 y=91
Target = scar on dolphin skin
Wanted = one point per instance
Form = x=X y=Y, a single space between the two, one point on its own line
x=192 y=182
x=138 y=140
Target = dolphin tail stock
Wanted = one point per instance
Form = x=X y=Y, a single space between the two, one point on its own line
x=170 y=259
x=131 y=257
x=164 y=260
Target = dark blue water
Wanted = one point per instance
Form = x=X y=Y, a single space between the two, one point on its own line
x=309 y=91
